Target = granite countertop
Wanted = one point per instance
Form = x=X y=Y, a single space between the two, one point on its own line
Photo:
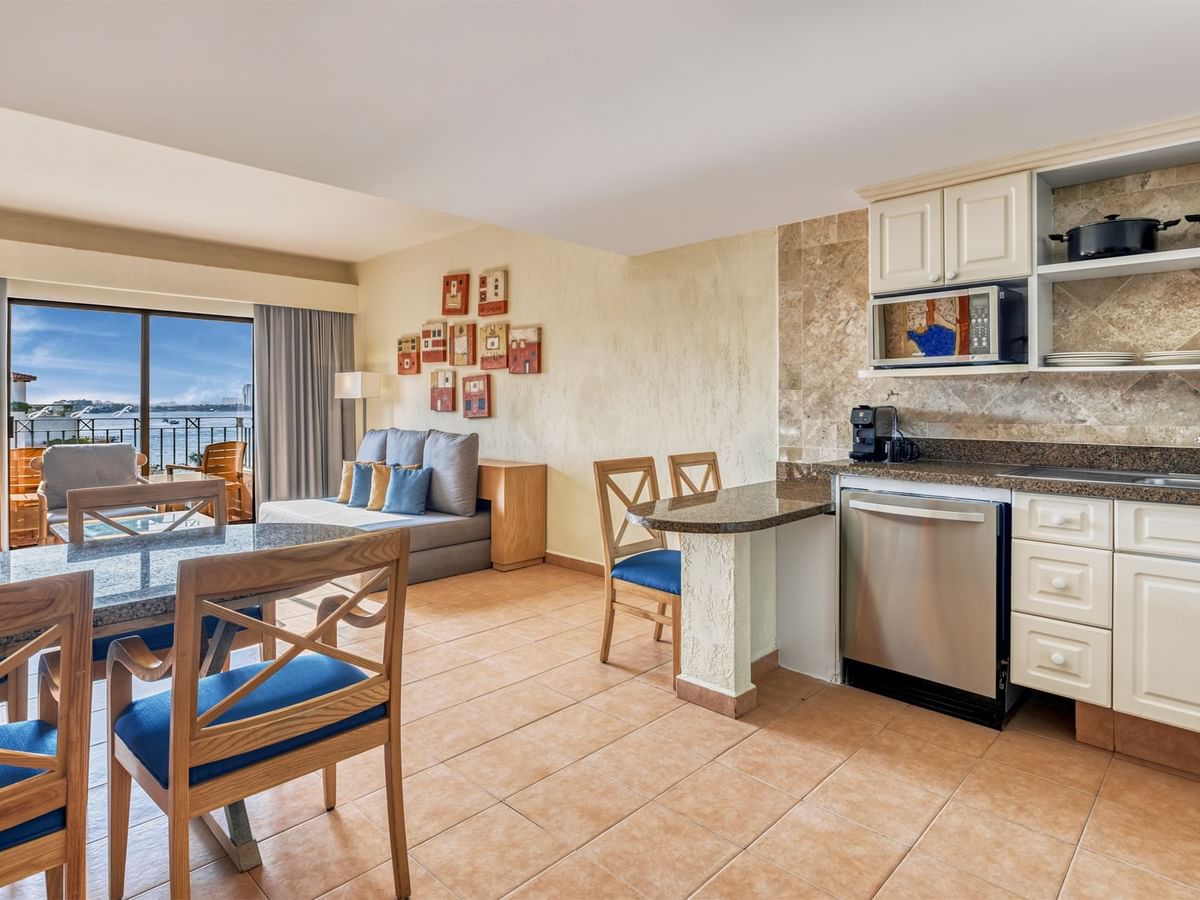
x=748 y=507
x=983 y=474
x=134 y=577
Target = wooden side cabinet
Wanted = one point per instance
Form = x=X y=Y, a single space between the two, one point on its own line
x=517 y=492
x=987 y=229
x=905 y=238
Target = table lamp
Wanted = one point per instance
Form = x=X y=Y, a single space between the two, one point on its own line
x=362 y=386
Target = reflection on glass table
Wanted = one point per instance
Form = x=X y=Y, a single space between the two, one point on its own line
x=142 y=523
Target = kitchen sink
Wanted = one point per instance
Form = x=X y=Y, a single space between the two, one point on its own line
x=1105 y=476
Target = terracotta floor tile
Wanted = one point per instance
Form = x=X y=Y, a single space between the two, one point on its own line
x=470 y=681
x=793 y=767
x=581 y=613
x=434 y=800
x=519 y=704
x=751 y=877
x=634 y=702
x=217 y=879
x=579 y=641
x=924 y=877
x=453 y=731
x=823 y=729
x=562 y=597
x=1096 y=877
x=894 y=808
x=661 y=677
x=535 y=628
x=1144 y=839
x=413 y=759
x=1041 y=804
x=638 y=652
x=434 y=660
x=286 y=806
x=646 y=763
x=927 y=766
x=1154 y=791
x=509 y=764
x=576 y=803
x=141 y=809
x=935 y=728
x=146 y=861
x=830 y=852
x=1008 y=855
x=574 y=877
x=379 y=884
x=1071 y=764
x=660 y=853
x=415 y=639
x=778 y=695
x=848 y=701
x=1046 y=716
x=700 y=730
x=490 y=854
x=456 y=627
x=317 y=856
x=418 y=700
x=584 y=677
x=728 y=803
x=530 y=659
x=486 y=644
x=576 y=731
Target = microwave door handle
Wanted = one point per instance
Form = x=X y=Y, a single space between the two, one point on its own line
x=909 y=512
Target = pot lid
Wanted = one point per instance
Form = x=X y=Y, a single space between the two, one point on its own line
x=1114 y=217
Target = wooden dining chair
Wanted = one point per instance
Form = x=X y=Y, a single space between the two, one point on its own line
x=686 y=480
x=44 y=762
x=224 y=459
x=639 y=566
x=103 y=504
x=218 y=737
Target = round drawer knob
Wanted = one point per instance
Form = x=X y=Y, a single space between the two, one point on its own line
x=1057 y=658
x=933 y=278
x=1058 y=519
x=951 y=275
x=1058 y=583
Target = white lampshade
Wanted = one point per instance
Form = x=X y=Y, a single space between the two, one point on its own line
x=355 y=385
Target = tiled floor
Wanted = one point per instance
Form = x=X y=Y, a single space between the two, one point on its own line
x=534 y=770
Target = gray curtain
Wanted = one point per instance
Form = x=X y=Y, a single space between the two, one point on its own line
x=300 y=431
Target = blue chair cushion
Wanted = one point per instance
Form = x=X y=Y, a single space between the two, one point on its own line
x=160 y=637
x=360 y=485
x=408 y=491
x=145 y=725
x=29 y=737
x=657 y=569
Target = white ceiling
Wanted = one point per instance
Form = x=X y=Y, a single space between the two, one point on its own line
x=629 y=126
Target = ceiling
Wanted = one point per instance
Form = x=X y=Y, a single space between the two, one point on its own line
x=624 y=125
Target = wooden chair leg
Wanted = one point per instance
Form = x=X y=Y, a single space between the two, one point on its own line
x=178 y=855
x=658 y=626
x=329 y=777
x=609 y=613
x=54 y=883
x=676 y=634
x=268 y=640
x=120 y=783
x=396 y=831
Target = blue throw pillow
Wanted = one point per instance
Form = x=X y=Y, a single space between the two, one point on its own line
x=360 y=486
x=407 y=491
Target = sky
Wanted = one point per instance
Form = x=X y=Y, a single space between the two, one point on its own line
x=93 y=354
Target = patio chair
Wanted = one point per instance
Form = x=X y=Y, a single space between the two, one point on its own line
x=64 y=467
x=225 y=459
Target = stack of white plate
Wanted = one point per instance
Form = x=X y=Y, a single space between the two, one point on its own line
x=1173 y=358
x=1091 y=358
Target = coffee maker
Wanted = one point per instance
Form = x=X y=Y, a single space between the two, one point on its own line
x=873 y=428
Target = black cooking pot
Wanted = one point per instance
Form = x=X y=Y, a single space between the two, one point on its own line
x=1113 y=237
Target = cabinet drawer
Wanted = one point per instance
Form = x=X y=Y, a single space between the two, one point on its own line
x=1062 y=582
x=1062 y=658
x=1081 y=521
x=1158 y=528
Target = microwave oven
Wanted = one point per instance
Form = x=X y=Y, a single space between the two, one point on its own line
x=984 y=325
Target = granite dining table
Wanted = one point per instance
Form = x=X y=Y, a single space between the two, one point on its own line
x=134 y=588
x=734 y=544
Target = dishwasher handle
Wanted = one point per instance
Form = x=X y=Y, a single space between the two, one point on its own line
x=911 y=512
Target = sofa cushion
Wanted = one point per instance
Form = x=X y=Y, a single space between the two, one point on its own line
x=454 y=459
x=343 y=495
x=69 y=466
x=381 y=477
x=29 y=737
x=404 y=447
x=360 y=486
x=373 y=447
x=657 y=569
x=408 y=491
x=429 y=531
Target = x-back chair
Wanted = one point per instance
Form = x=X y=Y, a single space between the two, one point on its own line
x=44 y=762
x=218 y=737
x=694 y=473
x=637 y=566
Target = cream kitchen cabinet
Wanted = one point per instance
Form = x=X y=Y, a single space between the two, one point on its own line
x=1156 y=621
x=972 y=232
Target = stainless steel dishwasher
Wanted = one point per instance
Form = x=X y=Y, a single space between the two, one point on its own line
x=924 y=601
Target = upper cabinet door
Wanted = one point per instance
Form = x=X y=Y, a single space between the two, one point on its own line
x=906 y=242
x=988 y=229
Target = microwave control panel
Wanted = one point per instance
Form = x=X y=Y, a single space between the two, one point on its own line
x=980 y=312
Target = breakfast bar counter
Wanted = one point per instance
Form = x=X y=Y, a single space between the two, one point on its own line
x=730 y=579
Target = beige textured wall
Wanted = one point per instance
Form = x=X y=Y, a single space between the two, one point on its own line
x=822 y=335
x=657 y=354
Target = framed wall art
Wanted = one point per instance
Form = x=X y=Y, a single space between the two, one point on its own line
x=493 y=292
x=433 y=342
x=462 y=344
x=477 y=396
x=455 y=291
x=408 y=355
x=525 y=350
x=493 y=343
x=441 y=390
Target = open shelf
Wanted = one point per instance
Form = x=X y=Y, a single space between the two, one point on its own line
x=1060 y=369
x=930 y=371
x=1139 y=264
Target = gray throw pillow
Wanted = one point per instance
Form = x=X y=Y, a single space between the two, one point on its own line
x=373 y=446
x=404 y=447
x=69 y=466
x=454 y=459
